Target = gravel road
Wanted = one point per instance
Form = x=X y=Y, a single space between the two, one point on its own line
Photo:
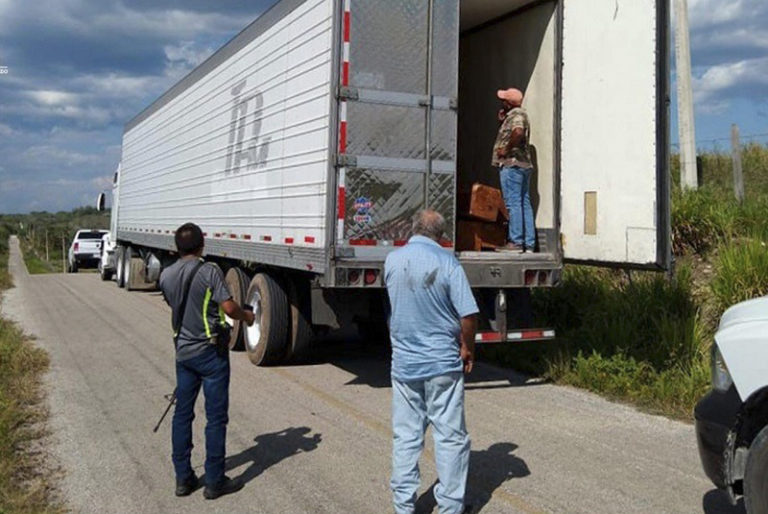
x=316 y=438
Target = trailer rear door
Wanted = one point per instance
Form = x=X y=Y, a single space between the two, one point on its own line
x=397 y=119
x=614 y=135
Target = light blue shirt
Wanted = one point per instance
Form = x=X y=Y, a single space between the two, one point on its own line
x=428 y=294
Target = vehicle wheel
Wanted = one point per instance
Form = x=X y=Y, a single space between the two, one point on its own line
x=300 y=339
x=756 y=474
x=237 y=282
x=106 y=275
x=73 y=267
x=267 y=339
x=120 y=266
x=127 y=257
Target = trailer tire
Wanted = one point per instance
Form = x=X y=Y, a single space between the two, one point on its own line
x=267 y=339
x=755 y=492
x=120 y=266
x=299 y=345
x=237 y=282
x=73 y=267
x=105 y=274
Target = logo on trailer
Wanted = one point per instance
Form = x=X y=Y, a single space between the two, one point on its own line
x=254 y=151
x=363 y=207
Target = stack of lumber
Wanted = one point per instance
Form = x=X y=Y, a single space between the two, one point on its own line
x=482 y=219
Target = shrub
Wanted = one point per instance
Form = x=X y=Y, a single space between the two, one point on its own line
x=741 y=272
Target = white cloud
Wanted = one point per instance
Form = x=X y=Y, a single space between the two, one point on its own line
x=53 y=98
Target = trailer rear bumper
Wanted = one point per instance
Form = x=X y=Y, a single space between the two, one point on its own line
x=495 y=271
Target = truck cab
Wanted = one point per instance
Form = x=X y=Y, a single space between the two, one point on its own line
x=732 y=419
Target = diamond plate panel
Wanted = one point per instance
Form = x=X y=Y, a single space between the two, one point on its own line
x=385 y=131
x=445 y=48
x=442 y=199
x=380 y=204
x=388 y=48
x=443 y=136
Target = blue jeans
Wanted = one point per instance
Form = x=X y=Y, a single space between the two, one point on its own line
x=439 y=401
x=211 y=370
x=515 y=186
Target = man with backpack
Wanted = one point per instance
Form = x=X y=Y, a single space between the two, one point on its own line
x=199 y=299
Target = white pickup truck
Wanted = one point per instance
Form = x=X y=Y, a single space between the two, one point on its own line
x=85 y=250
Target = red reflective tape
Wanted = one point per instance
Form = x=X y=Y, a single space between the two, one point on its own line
x=347 y=26
x=309 y=239
x=289 y=240
x=345 y=74
x=533 y=334
x=342 y=202
x=488 y=337
x=362 y=242
x=401 y=242
x=343 y=137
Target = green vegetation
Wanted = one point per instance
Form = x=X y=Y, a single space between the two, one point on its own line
x=23 y=488
x=45 y=237
x=640 y=337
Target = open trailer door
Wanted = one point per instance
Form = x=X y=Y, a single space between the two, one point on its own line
x=614 y=132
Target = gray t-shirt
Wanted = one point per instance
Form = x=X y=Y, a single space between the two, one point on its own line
x=203 y=312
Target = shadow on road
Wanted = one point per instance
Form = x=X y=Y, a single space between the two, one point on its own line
x=371 y=363
x=488 y=470
x=270 y=449
x=716 y=502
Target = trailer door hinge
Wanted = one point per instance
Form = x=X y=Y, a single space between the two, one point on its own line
x=348 y=93
x=346 y=161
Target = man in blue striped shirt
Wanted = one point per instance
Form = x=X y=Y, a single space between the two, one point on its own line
x=432 y=327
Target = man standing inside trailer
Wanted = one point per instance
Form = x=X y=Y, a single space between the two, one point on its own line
x=432 y=327
x=512 y=155
x=198 y=296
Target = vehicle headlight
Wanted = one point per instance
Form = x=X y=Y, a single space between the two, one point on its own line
x=721 y=377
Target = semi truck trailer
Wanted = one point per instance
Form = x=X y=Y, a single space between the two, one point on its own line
x=305 y=145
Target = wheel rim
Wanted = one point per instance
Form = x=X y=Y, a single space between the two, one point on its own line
x=127 y=271
x=253 y=333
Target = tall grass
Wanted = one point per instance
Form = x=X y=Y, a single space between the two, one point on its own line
x=643 y=339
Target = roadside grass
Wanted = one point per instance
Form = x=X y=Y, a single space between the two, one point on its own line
x=640 y=338
x=24 y=486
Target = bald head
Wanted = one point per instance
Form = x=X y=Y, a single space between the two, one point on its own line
x=429 y=223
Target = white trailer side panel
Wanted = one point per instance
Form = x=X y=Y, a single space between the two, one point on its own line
x=242 y=151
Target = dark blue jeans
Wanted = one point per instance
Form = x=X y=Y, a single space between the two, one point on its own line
x=211 y=370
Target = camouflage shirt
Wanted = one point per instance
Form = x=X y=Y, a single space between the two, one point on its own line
x=520 y=155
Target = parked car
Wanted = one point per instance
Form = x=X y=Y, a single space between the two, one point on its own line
x=85 y=250
x=107 y=260
x=732 y=420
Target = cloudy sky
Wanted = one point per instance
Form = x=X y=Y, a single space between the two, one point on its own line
x=79 y=69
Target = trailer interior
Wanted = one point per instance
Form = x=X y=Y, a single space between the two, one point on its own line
x=504 y=44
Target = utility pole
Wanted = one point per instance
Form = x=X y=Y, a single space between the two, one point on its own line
x=47 y=257
x=738 y=177
x=63 y=256
x=685 y=118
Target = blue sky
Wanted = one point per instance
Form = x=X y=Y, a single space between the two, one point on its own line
x=79 y=69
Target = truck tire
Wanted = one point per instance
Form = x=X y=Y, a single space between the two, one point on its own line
x=756 y=474
x=267 y=339
x=237 y=282
x=73 y=267
x=106 y=275
x=300 y=339
x=120 y=266
x=127 y=257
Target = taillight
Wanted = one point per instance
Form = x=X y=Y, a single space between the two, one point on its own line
x=370 y=276
x=353 y=277
x=530 y=277
x=77 y=246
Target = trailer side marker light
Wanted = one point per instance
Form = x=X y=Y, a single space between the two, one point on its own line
x=266 y=239
x=289 y=240
x=247 y=237
x=309 y=239
x=362 y=242
x=233 y=236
